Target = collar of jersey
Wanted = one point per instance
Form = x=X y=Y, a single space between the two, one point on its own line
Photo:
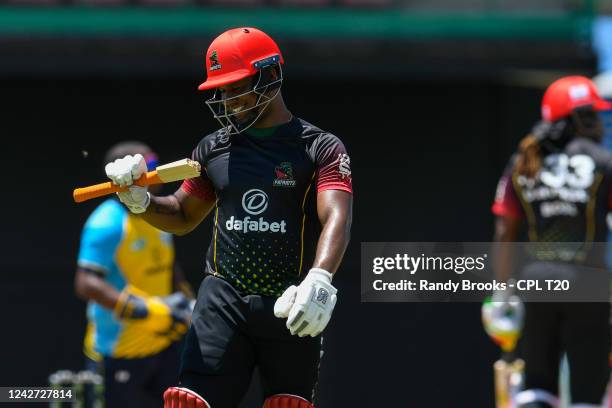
x=274 y=131
x=262 y=132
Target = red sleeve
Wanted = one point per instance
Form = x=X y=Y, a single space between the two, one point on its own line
x=333 y=165
x=200 y=187
x=609 y=199
x=506 y=202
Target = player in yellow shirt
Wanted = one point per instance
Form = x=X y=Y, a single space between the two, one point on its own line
x=126 y=270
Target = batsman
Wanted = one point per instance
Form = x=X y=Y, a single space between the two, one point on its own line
x=280 y=192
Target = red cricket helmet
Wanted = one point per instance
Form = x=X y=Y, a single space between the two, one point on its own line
x=237 y=54
x=568 y=93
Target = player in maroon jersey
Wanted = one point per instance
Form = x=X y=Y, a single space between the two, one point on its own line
x=559 y=185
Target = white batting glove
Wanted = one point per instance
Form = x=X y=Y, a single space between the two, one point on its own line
x=309 y=306
x=123 y=172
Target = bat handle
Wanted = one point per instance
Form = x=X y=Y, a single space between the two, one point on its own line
x=102 y=189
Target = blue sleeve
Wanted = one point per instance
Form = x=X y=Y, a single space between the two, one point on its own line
x=101 y=236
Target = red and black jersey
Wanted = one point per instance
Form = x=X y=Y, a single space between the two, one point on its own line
x=567 y=201
x=266 y=226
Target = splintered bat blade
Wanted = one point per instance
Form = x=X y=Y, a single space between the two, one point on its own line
x=178 y=170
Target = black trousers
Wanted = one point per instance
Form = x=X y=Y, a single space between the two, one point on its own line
x=230 y=335
x=138 y=382
x=582 y=331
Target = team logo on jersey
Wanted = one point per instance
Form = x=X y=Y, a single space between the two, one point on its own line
x=284 y=175
x=344 y=166
x=214 y=61
x=138 y=245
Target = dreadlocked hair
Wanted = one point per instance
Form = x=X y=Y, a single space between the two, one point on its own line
x=544 y=138
x=547 y=137
x=529 y=159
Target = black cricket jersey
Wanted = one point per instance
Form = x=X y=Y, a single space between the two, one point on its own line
x=567 y=201
x=266 y=226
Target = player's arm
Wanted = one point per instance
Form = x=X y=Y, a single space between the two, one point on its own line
x=502 y=313
x=506 y=230
x=178 y=213
x=89 y=286
x=335 y=209
x=308 y=307
x=169 y=315
x=100 y=238
x=509 y=216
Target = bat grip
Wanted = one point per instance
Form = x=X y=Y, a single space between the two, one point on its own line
x=102 y=189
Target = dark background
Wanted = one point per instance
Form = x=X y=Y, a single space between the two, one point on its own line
x=429 y=125
x=425 y=156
